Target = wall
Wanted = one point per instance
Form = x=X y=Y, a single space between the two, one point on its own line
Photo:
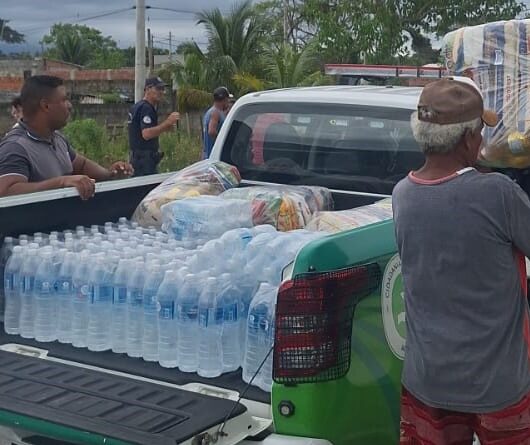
x=112 y=115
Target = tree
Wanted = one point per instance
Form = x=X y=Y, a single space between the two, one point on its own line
x=8 y=34
x=82 y=45
x=380 y=31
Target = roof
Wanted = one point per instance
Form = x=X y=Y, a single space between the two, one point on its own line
x=387 y=96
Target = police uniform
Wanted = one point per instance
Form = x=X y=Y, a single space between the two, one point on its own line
x=144 y=154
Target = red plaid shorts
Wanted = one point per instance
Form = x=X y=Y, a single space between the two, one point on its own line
x=423 y=425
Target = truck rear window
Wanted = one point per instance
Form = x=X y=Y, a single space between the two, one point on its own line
x=345 y=147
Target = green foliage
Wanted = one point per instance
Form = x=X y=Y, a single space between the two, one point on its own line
x=86 y=135
x=92 y=140
x=82 y=45
x=8 y=34
x=290 y=68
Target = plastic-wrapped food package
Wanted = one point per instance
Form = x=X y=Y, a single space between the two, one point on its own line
x=496 y=56
x=202 y=178
x=340 y=221
x=203 y=218
x=284 y=207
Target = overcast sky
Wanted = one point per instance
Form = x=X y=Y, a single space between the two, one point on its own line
x=34 y=17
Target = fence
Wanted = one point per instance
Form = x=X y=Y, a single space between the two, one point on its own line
x=113 y=116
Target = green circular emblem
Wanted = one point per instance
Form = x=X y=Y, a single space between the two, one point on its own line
x=393 y=307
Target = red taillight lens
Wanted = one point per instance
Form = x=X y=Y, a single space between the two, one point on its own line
x=314 y=316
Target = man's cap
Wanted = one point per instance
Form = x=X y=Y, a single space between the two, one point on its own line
x=453 y=100
x=221 y=93
x=154 y=82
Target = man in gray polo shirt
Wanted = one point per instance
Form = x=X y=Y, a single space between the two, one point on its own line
x=462 y=236
x=34 y=156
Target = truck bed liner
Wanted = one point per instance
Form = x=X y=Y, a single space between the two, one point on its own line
x=118 y=407
x=136 y=366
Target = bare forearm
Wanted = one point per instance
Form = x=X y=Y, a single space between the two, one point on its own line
x=84 y=166
x=20 y=188
x=154 y=132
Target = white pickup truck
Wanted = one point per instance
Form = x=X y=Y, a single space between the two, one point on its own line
x=332 y=386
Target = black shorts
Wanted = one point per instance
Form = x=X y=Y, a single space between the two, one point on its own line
x=145 y=162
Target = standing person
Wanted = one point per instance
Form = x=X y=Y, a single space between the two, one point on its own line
x=214 y=118
x=35 y=156
x=144 y=129
x=462 y=236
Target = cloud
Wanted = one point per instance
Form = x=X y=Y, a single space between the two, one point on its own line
x=34 y=18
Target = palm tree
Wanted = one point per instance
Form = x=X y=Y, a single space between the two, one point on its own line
x=287 y=67
x=71 y=48
x=234 y=42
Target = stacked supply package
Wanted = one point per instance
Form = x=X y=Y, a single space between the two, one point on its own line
x=202 y=178
x=495 y=56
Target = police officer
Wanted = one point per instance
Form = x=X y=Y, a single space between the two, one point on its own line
x=144 y=129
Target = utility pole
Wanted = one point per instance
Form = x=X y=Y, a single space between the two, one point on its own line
x=150 y=52
x=170 y=49
x=285 y=21
x=139 y=53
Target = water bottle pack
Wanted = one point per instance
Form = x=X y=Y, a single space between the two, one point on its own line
x=207 y=309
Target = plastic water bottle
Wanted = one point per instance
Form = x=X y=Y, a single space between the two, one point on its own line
x=100 y=305
x=11 y=290
x=82 y=296
x=229 y=303
x=45 y=299
x=154 y=278
x=167 y=326
x=264 y=380
x=5 y=253
x=259 y=331
x=187 y=323
x=26 y=283
x=119 y=306
x=248 y=286
x=65 y=298
x=135 y=289
x=210 y=330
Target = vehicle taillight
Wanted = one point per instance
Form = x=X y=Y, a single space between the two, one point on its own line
x=314 y=316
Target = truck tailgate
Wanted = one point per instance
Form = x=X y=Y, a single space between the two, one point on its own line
x=110 y=406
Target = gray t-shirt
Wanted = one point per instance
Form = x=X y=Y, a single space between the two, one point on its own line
x=460 y=242
x=23 y=153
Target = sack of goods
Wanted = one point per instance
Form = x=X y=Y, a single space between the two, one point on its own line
x=332 y=222
x=284 y=207
x=202 y=178
x=495 y=56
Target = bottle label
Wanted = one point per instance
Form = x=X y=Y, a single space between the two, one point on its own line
x=150 y=302
x=166 y=310
x=102 y=294
x=9 y=282
x=119 y=295
x=230 y=313
x=187 y=312
x=135 y=298
x=203 y=317
x=44 y=287
x=27 y=285
x=64 y=287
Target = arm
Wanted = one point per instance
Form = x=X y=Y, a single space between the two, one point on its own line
x=15 y=184
x=212 y=125
x=167 y=125
x=84 y=166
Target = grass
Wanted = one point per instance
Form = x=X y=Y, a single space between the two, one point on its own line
x=93 y=141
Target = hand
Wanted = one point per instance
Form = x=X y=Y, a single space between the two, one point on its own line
x=85 y=186
x=121 y=169
x=172 y=119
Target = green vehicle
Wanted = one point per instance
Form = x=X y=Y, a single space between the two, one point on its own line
x=340 y=323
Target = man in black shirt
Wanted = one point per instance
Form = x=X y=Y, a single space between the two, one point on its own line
x=144 y=129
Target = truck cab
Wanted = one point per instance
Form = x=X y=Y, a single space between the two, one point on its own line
x=339 y=349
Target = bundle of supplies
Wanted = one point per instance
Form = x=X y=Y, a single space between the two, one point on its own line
x=202 y=178
x=284 y=207
x=333 y=222
x=495 y=56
